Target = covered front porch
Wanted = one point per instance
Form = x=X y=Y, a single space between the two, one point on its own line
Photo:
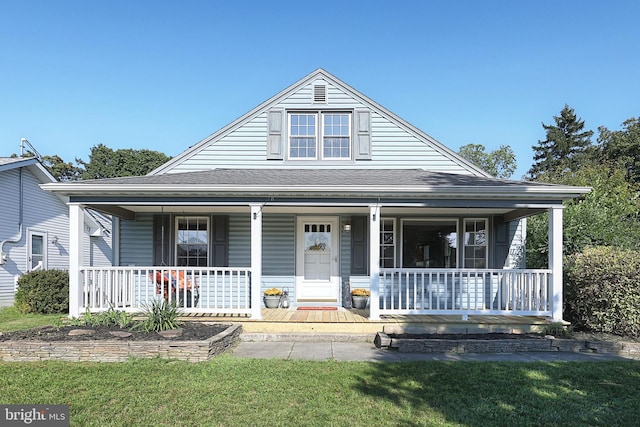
x=460 y=292
x=428 y=250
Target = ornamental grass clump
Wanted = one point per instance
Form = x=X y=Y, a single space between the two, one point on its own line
x=360 y=292
x=110 y=317
x=159 y=316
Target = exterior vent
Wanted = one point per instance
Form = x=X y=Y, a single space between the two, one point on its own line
x=319 y=93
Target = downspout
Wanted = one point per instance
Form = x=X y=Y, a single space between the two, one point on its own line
x=18 y=237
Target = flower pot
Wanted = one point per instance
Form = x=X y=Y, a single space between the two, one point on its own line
x=271 y=301
x=359 y=302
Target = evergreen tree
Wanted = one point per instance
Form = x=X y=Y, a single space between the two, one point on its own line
x=564 y=149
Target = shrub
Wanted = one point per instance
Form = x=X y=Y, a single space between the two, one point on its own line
x=160 y=316
x=602 y=290
x=44 y=292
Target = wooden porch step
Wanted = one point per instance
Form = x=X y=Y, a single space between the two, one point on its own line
x=353 y=321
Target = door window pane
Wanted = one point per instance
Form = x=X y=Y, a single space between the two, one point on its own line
x=37 y=252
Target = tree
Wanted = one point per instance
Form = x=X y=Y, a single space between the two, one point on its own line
x=607 y=216
x=500 y=163
x=57 y=167
x=564 y=149
x=107 y=163
x=61 y=170
x=622 y=148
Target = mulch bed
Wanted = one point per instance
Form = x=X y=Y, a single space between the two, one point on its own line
x=191 y=331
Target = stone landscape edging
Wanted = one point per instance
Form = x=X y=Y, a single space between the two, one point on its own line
x=119 y=350
x=547 y=344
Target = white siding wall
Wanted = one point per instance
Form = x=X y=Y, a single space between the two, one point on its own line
x=393 y=145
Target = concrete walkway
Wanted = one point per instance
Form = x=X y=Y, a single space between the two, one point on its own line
x=367 y=352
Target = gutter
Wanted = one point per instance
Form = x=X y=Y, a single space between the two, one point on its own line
x=18 y=237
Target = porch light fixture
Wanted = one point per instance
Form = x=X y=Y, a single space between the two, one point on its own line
x=346 y=227
x=54 y=241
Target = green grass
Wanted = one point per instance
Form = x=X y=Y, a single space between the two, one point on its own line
x=12 y=320
x=244 y=392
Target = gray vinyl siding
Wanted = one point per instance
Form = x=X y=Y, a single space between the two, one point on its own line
x=239 y=240
x=278 y=245
x=345 y=250
x=517 y=250
x=394 y=145
x=136 y=241
x=97 y=251
x=43 y=212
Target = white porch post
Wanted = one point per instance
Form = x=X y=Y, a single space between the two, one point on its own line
x=256 y=261
x=374 y=261
x=76 y=229
x=555 y=261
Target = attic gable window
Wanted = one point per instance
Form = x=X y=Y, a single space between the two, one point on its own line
x=332 y=129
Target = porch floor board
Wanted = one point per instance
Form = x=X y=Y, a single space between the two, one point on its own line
x=280 y=320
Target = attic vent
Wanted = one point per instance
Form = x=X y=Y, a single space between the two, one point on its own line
x=319 y=93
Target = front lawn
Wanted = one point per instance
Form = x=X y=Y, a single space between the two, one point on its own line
x=231 y=392
x=12 y=320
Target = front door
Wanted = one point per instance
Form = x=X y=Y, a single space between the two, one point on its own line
x=317 y=255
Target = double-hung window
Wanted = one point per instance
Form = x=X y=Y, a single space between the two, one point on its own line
x=192 y=242
x=319 y=135
x=475 y=243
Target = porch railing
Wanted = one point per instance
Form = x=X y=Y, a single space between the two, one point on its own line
x=465 y=291
x=201 y=290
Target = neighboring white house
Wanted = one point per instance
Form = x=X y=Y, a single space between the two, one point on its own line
x=317 y=189
x=34 y=226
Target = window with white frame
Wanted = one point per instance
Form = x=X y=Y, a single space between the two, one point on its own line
x=429 y=243
x=308 y=129
x=192 y=241
x=387 y=242
x=37 y=248
x=475 y=243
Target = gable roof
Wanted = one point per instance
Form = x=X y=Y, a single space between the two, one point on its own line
x=320 y=74
x=31 y=163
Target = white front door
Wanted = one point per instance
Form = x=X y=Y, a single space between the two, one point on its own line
x=317 y=255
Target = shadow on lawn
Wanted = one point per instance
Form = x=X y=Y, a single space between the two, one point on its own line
x=514 y=394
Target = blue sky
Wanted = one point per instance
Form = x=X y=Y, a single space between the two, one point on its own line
x=162 y=75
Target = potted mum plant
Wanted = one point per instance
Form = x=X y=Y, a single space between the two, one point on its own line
x=272 y=297
x=359 y=298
